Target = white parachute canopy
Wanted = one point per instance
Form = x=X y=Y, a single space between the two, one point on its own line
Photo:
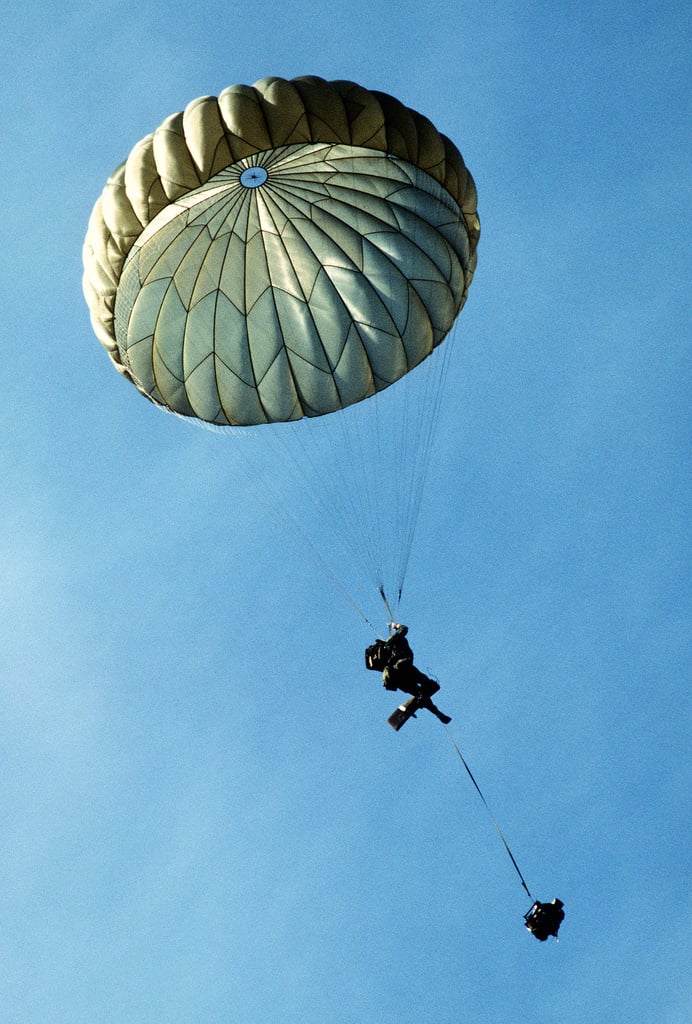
x=284 y=252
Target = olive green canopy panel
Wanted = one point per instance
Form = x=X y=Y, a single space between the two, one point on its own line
x=281 y=251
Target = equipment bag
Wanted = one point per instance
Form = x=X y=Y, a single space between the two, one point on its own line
x=376 y=656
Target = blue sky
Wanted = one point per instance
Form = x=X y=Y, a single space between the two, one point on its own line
x=205 y=817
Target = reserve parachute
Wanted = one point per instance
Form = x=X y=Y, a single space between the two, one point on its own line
x=281 y=252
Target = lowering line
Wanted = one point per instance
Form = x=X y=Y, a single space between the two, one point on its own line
x=492 y=816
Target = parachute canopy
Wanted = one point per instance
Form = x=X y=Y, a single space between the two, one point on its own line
x=284 y=250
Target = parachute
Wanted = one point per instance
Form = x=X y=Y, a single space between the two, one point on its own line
x=280 y=252
x=280 y=256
